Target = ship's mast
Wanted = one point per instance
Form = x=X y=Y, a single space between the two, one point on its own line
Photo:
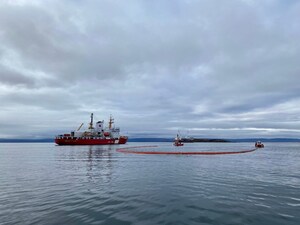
x=91 y=123
x=111 y=121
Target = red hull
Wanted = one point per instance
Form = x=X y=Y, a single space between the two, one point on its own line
x=89 y=141
x=177 y=144
x=259 y=146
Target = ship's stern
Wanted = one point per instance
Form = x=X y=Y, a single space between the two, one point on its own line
x=123 y=140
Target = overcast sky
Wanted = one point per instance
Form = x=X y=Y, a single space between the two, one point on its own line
x=209 y=68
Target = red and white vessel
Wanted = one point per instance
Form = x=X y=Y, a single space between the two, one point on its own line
x=97 y=135
x=178 y=141
x=258 y=144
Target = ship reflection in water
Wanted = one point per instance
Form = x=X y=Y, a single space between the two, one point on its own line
x=97 y=160
x=99 y=164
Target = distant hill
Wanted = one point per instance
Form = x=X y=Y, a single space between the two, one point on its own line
x=265 y=140
x=150 y=139
x=172 y=139
x=204 y=140
x=6 y=140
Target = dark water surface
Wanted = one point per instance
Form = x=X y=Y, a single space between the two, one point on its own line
x=48 y=184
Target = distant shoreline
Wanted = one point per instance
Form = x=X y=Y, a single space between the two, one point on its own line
x=195 y=140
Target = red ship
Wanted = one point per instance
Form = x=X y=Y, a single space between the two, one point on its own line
x=97 y=135
x=178 y=141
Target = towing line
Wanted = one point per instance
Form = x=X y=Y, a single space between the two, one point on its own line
x=129 y=150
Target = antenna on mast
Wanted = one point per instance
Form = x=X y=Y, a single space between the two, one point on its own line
x=111 y=121
x=91 y=123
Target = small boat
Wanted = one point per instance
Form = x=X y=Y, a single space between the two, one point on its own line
x=178 y=141
x=258 y=144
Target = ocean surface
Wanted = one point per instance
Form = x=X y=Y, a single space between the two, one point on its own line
x=41 y=183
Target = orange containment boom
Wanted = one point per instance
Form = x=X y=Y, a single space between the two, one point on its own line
x=133 y=151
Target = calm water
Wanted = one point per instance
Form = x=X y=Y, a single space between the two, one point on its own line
x=48 y=184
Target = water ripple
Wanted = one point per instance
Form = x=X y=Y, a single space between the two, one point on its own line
x=47 y=184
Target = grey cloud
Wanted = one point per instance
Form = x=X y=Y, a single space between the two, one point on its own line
x=155 y=65
x=9 y=77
